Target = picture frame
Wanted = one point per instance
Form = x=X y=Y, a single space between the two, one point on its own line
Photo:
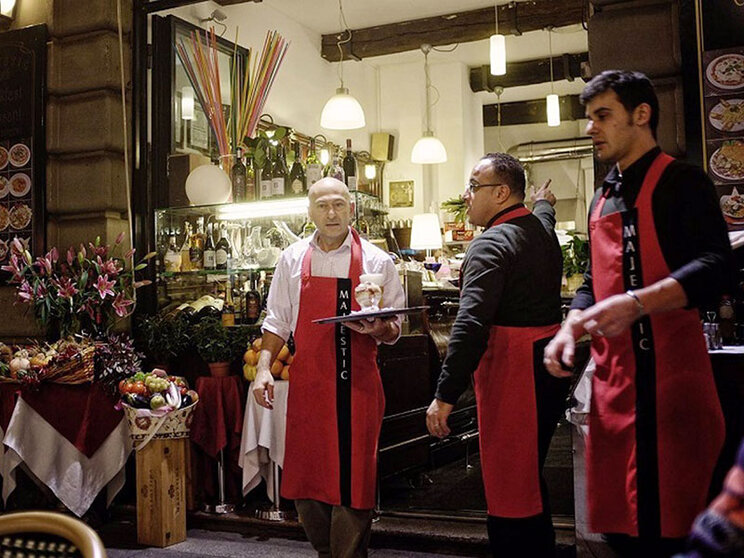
x=199 y=131
x=401 y=193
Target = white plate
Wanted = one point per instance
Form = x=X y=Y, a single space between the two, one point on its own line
x=24 y=154
x=717 y=160
x=4 y=186
x=3 y=158
x=726 y=71
x=23 y=179
x=733 y=109
x=732 y=206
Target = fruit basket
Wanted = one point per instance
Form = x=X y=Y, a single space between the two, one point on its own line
x=63 y=362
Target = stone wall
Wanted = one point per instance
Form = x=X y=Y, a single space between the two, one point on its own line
x=86 y=188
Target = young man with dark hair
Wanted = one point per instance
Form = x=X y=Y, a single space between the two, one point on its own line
x=510 y=306
x=659 y=249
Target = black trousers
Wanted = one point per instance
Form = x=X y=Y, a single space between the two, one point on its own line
x=534 y=536
x=335 y=531
x=634 y=547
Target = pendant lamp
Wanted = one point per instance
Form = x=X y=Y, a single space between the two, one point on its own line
x=553 y=106
x=428 y=149
x=342 y=111
x=497 y=49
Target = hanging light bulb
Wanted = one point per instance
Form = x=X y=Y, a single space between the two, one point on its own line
x=342 y=111
x=370 y=171
x=187 y=103
x=498 y=49
x=325 y=156
x=428 y=149
x=552 y=103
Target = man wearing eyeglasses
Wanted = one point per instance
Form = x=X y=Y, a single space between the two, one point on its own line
x=510 y=307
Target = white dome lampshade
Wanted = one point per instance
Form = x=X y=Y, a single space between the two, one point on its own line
x=425 y=232
x=428 y=150
x=208 y=184
x=342 y=112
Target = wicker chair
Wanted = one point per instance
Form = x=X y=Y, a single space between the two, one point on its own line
x=49 y=534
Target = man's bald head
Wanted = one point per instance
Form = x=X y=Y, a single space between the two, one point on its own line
x=328 y=185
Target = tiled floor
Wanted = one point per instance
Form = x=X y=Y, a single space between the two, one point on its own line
x=228 y=545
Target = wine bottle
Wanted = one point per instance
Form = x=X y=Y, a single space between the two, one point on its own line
x=279 y=174
x=172 y=259
x=238 y=177
x=252 y=304
x=297 y=178
x=209 y=250
x=313 y=168
x=266 y=179
x=228 y=309
x=337 y=171
x=196 y=246
x=223 y=250
x=185 y=247
x=349 y=164
x=250 y=179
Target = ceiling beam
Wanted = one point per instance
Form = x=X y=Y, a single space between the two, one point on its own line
x=231 y=2
x=530 y=72
x=531 y=112
x=515 y=18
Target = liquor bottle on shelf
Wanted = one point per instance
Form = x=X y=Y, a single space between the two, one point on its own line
x=238 y=177
x=185 y=247
x=279 y=174
x=209 y=250
x=313 y=168
x=196 y=247
x=250 y=179
x=350 y=168
x=223 y=250
x=727 y=320
x=266 y=177
x=228 y=309
x=172 y=259
x=252 y=305
x=297 y=177
x=336 y=170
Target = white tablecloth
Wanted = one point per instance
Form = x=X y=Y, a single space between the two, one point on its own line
x=263 y=438
x=73 y=477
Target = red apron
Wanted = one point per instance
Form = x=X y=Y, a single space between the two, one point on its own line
x=507 y=415
x=336 y=402
x=655 y=425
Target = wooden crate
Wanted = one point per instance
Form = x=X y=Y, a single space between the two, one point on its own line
x=161 y=492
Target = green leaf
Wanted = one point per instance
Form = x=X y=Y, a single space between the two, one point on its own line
x=150 y=255
x=83 y=280
x=98 y=241
x=139 y=267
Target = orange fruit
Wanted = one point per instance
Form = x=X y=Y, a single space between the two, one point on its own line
x=285 y=373
x=289 y=360
x=257 y=344
x=276 y=368
x=250 y=357
x=283 y=353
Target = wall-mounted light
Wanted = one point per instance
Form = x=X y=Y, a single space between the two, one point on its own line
x=187 y=103
x=325 y=156
x=7 y=11
x=552 y=103
x=370 y=171
x=498 y=49
x=428 y=149
x=270 y=128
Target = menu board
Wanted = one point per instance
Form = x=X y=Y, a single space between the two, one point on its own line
x=722 y=80
x=22 y=139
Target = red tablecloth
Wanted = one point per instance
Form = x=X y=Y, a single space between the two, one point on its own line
x=218 y=418
x=84 y=414
x=8 y=393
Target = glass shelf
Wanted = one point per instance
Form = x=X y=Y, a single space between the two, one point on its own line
x=213 y=272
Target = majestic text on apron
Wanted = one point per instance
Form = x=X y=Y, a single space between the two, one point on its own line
x=655 y=425
x=336 y=402
x=506 y=396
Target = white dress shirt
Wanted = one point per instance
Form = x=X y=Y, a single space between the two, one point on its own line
x=283 y=302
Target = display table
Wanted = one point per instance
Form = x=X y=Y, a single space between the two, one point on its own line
x=71 y=439
x=262 y=445
x=217 y=426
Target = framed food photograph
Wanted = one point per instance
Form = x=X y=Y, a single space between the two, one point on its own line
x=723 y=71
x=731 y=199
x=401 y=193
x=726 y=161
x=724 y=116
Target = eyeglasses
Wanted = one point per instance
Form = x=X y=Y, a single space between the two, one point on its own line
x=472 y=187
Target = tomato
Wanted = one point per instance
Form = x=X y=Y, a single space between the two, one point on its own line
x=125 y=386
x=138 y=388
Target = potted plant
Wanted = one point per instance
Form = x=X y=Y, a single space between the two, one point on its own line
x=216 y=345
x=575 y=261
x=164 y=337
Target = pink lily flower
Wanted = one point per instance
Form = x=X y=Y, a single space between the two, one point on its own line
x=103 y=286
x=120 y=305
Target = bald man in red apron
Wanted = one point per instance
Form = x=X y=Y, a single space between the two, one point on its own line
x=658 y=246
x=510 y=307
x=336 y=401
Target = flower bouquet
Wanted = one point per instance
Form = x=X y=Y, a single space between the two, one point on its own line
x=81 y=293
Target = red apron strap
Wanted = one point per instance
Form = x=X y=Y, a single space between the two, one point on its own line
x=653 y=175
x=513 y=214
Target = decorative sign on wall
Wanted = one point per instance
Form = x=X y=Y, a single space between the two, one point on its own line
x=723 y=104
x=22 y=139
x=401 y=193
